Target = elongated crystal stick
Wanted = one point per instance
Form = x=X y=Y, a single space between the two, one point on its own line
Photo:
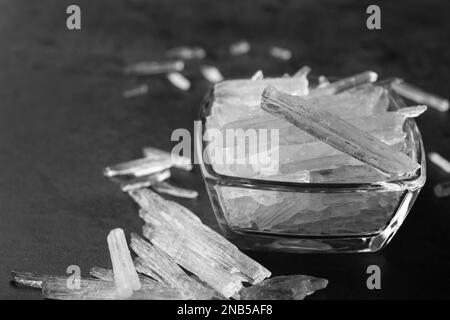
x=145 y=181
x=95 y=289
x=346 y=83
x=418 y=95
x=295 y=287
x=177 y=161
x=187 y=53
x=211 y=73
x=29 y=279
x=108 y=275
x=442 y=189
x=125 y=275
x=303 y=72
x=179 y=81
x=440 y=161
x=338 y=133
x=257 y=76
x=138 y=167
x=151 y=68
x=194 y=246
x=280 y=53
x=167 y=188
x=137 y=91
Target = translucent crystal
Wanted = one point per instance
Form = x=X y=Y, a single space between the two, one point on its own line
x=138 y=168
x=194 y=246
x=144 y=181
x=295 y=287
x=177 y=161
x=280 y=53
x=346 y=83
x=323 y=82
x=167 y=188
x=125 y=276
x=338 y=133
x=440 y=161
x=94 y=289
x=108 y=275
x=211 y=73
x=442 y=189
x=135 y=92
x=179 y=81
x=187 y=53
x=239 y=48
x=418 y=95
x=150 y=68
x=29 y=279
x=303 y=72
x=165 y=270
x=257 y=76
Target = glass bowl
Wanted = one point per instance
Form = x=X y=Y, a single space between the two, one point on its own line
x=312 y=217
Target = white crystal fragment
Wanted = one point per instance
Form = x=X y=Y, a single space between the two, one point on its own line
x=125 y=276
x=211 y=73
x=258 y=75
x=135 y=92
x=194 y=246
x=239 y=48
x=153 y=67
x=280 y=53
x=167 y=188
x=144 y=181
x=180 y=162
x=179 y=81
x=138 y=167
x=440 y=161
x=323 y=81
x=302 y=72
x=187 y=53
x=420 y=96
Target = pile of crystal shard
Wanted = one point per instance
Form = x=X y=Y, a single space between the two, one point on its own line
x=352 y=131
x=302 y=157
x=179 y=258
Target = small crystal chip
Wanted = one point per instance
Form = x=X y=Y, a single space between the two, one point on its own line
x=295 y=287
x=29 y=279
x=211 y=73
x=179 y=81
x=440 y=161
x=239 y=48
x=303 y=72
x=151 y=68
x=108 y=275
x=137 y=91
x=177 y=161
x=442 y=189
x=280 y=53
x=125 y=276
x=187 y=53
x=258 y=75
x=138 y=167
x=167 y=188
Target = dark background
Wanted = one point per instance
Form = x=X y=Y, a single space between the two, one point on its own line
x=62 y=119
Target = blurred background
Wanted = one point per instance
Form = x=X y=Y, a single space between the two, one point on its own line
x=63 y=118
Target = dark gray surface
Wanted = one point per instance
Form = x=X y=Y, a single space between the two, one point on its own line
x=62 y=119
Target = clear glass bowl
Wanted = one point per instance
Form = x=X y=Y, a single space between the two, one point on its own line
x=316 y=217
